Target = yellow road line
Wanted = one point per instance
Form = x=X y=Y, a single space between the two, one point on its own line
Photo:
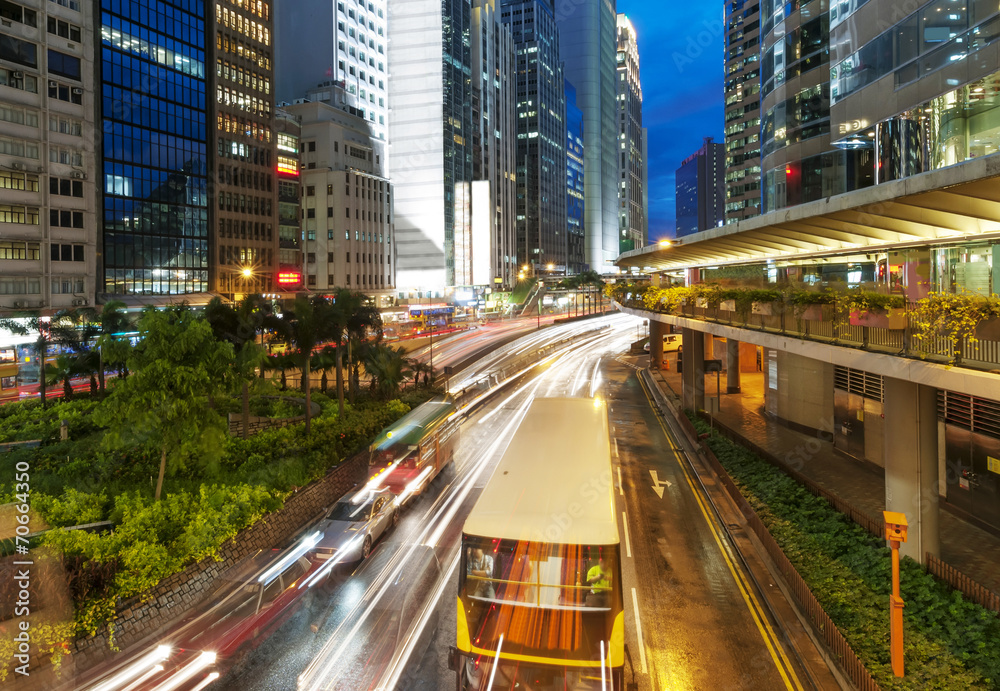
x=774 y=647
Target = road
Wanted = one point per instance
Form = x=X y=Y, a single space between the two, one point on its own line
x=694 y=619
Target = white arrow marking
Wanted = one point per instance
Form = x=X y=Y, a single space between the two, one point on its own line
x=659 y=484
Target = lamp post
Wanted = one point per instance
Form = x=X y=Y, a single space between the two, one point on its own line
x=539 y=300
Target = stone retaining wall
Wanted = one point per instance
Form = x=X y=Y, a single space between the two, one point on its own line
x=175 y=595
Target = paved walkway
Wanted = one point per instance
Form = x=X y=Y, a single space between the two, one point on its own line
x=964 y=546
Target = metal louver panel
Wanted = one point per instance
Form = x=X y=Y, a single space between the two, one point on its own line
x=858 y=382
x=976 y=414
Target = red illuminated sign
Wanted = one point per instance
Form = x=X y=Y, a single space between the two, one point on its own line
x=289 y=277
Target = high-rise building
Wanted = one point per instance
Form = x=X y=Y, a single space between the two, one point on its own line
x=242 y=153
x=632 y=161
x=154 y=170
x=340 y=47
x=587 y=43
x=799 y=163
x=430 y=130
x=490 y=251
x=291 y=255
x=48 y=225
x=742 y=108
x=542 y=231
x=700 y=189
x=574 y=181
x=347 y=202
x=918 y=91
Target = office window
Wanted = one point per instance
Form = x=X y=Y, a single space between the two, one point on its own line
x=64 y=65
x=63 y=218
x=64 y=29
x=18 y=181
x=67 y=285
x=16 y=50
x=11 y=213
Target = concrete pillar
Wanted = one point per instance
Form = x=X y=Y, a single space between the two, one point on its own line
x=657 y=330
x=732 y=366
x=911 y=462
x=693 y=376
x=709 y=347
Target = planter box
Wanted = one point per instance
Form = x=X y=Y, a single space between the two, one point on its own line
x=763 y=308
x=894 y=318
x=813 y=313
x=728 y=305
x=988 y=330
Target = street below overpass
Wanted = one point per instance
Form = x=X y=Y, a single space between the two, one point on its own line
x=698 y=615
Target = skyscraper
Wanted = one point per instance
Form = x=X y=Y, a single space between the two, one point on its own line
x=587 y=42
x=542 y=232
x=242 y=152
x=340 y=47
x=48 y=228
x=701 y=190
x=491 y=250
x=632 y=161
x=430 y=130
x=154 y=171
x=574 y=181
x=742 y=97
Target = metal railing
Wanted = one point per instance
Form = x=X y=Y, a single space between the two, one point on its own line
x=972 y=590
x=836 y=328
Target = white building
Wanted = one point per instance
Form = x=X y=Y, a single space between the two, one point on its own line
x=340 y=46
x=48 y=222
x=347 y=216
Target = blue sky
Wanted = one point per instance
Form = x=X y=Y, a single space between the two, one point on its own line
x=681 y=68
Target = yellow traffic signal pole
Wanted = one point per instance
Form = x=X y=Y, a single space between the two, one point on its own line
x=895 y=532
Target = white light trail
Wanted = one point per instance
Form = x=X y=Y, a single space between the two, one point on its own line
x=206 y=681
x=330 y=563
x=300 y=550
x=496 y=662
x=604 y=685
x=158 y=655
x=187 y=672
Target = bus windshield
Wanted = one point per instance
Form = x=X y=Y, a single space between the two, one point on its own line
x=525 y=677
x=549 y=600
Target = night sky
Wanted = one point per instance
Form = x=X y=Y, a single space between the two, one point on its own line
x=681 y=69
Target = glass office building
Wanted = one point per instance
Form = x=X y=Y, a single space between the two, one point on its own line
x=154 y=177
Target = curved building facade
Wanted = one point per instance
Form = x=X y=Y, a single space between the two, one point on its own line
x=799 y=163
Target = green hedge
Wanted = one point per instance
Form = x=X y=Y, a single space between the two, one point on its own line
x=950 y=642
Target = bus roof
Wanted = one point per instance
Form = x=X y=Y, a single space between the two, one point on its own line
x=411 y=428
x=553 y=483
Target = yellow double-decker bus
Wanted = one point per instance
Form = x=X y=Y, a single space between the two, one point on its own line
x=540 y=591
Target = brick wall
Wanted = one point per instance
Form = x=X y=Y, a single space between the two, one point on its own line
x=177 y=594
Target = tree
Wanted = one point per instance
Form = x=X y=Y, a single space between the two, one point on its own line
x=178 y=369
x=343 y=309
x=28 y=323
x=388 y=367
x=239 y=326
x=364 y=319
x=310 y=322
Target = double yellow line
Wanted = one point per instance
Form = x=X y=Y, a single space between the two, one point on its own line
x=771 y=640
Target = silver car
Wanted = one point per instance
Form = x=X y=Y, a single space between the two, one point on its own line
x=354 y=523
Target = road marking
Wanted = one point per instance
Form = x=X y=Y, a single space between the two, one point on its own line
x=638 y=632
x=659 y=484
x=616 y=446
x=628 y=543
x=771 y=641
x=621 y=487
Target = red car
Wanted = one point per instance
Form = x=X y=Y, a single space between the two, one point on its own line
x=259 y=595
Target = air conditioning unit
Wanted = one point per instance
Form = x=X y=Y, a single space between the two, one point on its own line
x=80 y=302
x=17 y=74
x=52 y=84
x=78 y=175
x=17 y=165
x=18 y=303
x=77 y=90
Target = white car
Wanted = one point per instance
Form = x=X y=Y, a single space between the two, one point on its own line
x=671 y=342
x=355 y=523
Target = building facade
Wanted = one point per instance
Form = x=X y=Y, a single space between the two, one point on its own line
x=346 y=204
x=291 y=255
x=341 y=47
x=631 y=147
x=701 y=190
x=490 y=251
x=574 y=182
x=587 y=43
x=243 y=151
x=542 y=231
x=742 y=109
x=430 y=130
x=48 y=166
x=154 y=169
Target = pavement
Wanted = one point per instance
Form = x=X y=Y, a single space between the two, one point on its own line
x=968 y=548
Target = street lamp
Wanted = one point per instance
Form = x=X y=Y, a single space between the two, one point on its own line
x=539 y=299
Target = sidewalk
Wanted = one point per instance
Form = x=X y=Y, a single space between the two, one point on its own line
x=964 y=546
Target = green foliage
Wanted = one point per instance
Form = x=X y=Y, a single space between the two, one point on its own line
x=72 y=508
x=801 y=298
x=950 y=642
x=27 y=420
x=867 y=302
x=954 y=316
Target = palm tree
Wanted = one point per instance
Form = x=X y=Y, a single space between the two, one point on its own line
x=364 y=319
x=417 y=368
x=344 y=306
x=311 y=321
x=388 y=367
x=27 y=323
x=239 y=325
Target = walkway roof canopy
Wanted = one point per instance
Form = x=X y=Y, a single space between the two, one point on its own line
x=953 y=204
